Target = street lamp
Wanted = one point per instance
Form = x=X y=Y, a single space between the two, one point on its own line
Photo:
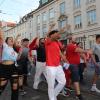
x=84 y=39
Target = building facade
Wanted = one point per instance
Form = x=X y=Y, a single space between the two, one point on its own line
x=24 y=27
x=82 y=18
x=6 y=26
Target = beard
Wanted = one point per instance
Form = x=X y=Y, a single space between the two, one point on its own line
x=41 y=44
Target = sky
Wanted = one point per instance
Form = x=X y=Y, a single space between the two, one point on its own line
x=13 y=10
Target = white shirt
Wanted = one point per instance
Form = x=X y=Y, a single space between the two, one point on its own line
x=81 y=60
x=66 y=66
x=8 y=53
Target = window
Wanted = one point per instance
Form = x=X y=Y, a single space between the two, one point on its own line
x=25 y=35
x=51 y=13
x=38 y=19
x=62 y=8
x=77 y=3
x=78 y=23
x=38 y=29
x=30 y=24
x=44 y=1
x=62 y=23
x=44 y=31
x=44 y=17
x=91 y=17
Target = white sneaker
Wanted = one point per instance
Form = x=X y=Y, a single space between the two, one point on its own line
x=94 y=89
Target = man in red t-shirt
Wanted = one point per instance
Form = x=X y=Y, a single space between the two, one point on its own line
x=73 y=56
x=54 y=69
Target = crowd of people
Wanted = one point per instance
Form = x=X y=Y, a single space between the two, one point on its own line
x=62 y=65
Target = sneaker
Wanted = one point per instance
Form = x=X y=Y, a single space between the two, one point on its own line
x=94 y=89
x=79 y=97
x=65 y=93
x=69 y=89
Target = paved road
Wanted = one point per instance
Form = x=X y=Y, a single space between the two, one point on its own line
x=41 y=94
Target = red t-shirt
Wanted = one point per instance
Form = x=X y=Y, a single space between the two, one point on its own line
x=52 y=52
x=72 y=56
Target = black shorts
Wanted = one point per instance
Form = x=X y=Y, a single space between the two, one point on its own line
x=6 y=71
x=74 y=73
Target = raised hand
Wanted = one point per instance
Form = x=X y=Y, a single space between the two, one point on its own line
x=90 y=51
x=1 y=33
x=62 y=30
x=52 y=26
x=37 y=34
x=50 y=29
x=18 y=35
x=1 y=37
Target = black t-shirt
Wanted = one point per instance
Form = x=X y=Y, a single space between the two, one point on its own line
x=41 y=55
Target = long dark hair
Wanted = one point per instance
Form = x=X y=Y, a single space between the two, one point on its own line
x=40 y=43
x=14 y=47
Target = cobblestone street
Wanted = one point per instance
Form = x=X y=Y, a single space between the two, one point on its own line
x=41 y=94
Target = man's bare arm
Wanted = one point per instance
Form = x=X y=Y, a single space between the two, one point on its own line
x=79 y=50
x=63 y=57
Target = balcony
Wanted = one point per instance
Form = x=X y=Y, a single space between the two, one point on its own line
x=90 y=1
x=91 y=4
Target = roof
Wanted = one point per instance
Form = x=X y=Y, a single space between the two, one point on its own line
x=9 y=24
x=30 y=15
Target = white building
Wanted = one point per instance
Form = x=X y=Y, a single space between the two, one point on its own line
x=82 y=18
x=24 y=27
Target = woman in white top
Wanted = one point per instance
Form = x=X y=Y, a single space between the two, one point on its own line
x=8 y=70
